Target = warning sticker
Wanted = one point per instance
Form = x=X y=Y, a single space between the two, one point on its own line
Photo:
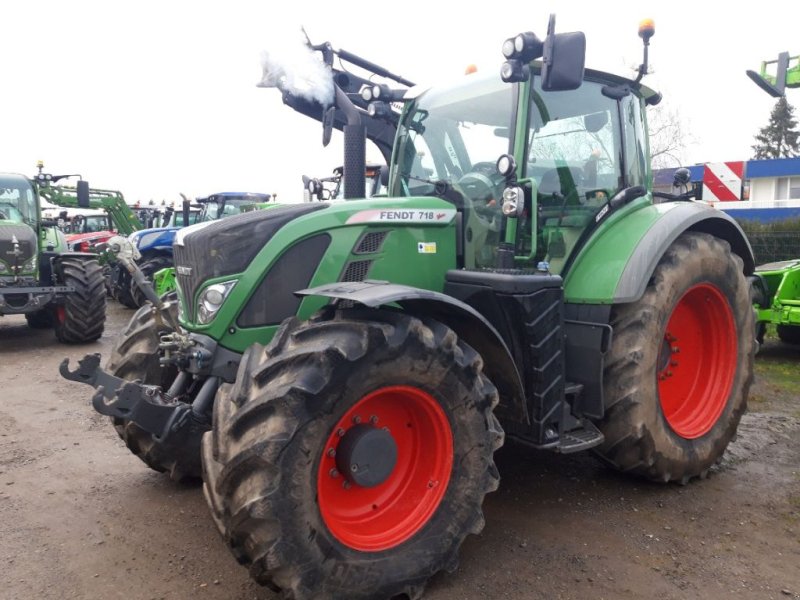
x=405 y=215
x=426 y=247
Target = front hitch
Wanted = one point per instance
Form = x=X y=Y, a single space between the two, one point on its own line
x=145 y=405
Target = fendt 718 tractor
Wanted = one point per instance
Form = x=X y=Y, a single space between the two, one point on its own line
x=352 y=367
x=39 y=276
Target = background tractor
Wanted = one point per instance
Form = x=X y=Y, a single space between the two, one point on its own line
x=39 y=276
x=342 y=373
x=777 y=300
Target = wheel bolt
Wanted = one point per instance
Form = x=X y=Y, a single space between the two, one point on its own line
x=385 y=429
x=373 y=419
x=669 y=373
x=346 y=484
x=340 y=432
x=673 y=363
x=675 y=349
x=354 y=468
x=333 y=473
x=356 y=419
x=331 y=452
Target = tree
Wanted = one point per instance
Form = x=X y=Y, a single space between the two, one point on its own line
x=668 y=139
x=780 y=138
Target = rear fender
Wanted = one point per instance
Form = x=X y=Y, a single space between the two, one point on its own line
x=468 y=324
x=616 y=264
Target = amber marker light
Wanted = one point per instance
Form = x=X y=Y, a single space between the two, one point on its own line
x=647 y=28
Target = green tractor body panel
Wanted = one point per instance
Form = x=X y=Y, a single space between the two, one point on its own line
x=413 y=243
x=614 y=265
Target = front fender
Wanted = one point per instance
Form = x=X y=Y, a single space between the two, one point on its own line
x=616 y=263
x=468 y=324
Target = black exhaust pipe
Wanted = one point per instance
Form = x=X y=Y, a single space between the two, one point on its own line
x=355 y=148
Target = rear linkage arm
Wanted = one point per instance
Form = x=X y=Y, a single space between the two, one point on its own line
x=146 y=405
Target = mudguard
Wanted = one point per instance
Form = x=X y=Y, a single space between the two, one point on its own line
x=615 y=265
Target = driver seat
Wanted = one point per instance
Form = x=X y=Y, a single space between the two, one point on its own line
x=557 y=181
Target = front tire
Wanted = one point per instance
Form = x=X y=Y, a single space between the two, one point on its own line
x=135 y=357
x=281 y=470
x=82 y=316
x=41 y=319
x=789 y=334
x=681 y=363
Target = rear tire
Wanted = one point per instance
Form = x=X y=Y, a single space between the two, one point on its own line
x=82 y=316
x=789 y=334
x=121 y=286
x=135 y=356
x=681 y=363
x=269 y=464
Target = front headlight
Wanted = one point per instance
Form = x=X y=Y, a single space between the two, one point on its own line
x=30 y=265
x=3 y=267
x=211 y=300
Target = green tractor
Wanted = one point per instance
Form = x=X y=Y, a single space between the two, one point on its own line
x=777 y=300
x=39 y=277
x=341 y=374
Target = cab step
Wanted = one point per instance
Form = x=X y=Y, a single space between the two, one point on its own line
x=580 y=439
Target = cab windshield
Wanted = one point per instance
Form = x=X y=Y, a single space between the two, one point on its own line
x=449 y=134
x=220 y=207
x=17 y=201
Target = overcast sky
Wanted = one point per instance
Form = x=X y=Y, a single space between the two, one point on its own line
x=158 y=97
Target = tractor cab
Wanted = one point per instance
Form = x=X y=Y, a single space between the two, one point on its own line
x=572 y=152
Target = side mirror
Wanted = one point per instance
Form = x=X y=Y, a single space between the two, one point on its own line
x=564 y=59
x=83 y=193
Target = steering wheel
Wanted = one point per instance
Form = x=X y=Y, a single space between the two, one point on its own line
x=482 y=186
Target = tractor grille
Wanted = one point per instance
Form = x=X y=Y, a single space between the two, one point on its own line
x=370 y=242
x=26 y=238
x=356 y=270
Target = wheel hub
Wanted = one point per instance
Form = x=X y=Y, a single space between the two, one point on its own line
x=366 y=456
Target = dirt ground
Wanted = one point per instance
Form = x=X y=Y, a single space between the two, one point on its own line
x=80 y=517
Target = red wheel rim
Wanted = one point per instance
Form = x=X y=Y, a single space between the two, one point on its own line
x=61 y=314
x=381 y=517
x=697 y=361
